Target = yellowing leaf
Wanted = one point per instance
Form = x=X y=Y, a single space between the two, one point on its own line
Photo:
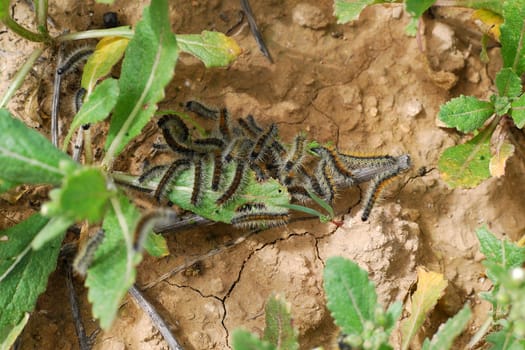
x=491 y=19
x=430 y=287
x=498 y=161
x=108 y=52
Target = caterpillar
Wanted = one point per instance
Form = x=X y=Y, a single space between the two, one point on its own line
x=223 y=164
x=74 y=59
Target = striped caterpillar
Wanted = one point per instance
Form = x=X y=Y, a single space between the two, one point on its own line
x=220 y=172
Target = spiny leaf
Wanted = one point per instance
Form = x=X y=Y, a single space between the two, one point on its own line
x=214 y=49
x=27 y=156
x=108 y=52
x=83 y=196
x=279 y=329
x=244 y=340
x=23 y=271
x=112 y=271
x=352 y=298
x=508 y=83
x=491 y=19
x=147 y=68
x=513 y=36
x=517 y=111
x=96 y=108
x=465 y=113
x=499 y=160
x=447 y=332
x=346 y=11
x=430 y=288
x=466 y=165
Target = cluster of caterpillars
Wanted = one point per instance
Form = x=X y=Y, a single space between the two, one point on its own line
x=302 y=167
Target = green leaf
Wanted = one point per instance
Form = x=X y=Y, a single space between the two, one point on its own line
x=508 y=83
x=417 y=7
x=244 y=340
x=214 y=49
x=83 y=196
x=513 y=36
x=147 y=68
x=505 y=340
x=430 y=287
x=352 y=298
x=501 y=104
x=96 y=108
x=27 y=156
x=465 y=113
x=517 y=111
x=112 y=271
x=23 y=271
x=8 y=335
x=503 y=152
x=466 y=165
x=4 y=8
x=447 y=332
x=392 y=315
x=108 y=52
x=411 y=28
x=54 y=228
x=346 y=11
x=156 y=245
x=491 y=5
x=109 y=2
x=279 y=329
x=500 y=252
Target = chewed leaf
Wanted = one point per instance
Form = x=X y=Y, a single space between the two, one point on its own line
x=147 y=68
x=513 y=36
x=430 y=288
x=23 y=271
x=27 y=156
x=214 y=49
x=352 y=298
x=465 y=113
x=113 y=271
x=279 y=329
x=508 y=83
x=108 y=52
x=517 y=111
x=491 y=19
x=97 y=106
x=347 y=11
x=447 y=332
x=499 y=160
x=466 y=165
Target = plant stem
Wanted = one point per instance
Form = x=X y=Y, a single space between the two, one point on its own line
x=20 y=76
x=41 y=15
x=123 y=31
x=24 y=33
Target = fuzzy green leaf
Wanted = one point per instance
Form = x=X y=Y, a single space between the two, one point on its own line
x=430 y=287
x=96 y=108
x=508 y=83
x=447 y=332
x=352 y=298
x=517 y=111
x=466 y=165
x=112 y=271
x=23 y=271
x=108 y=52
x=513 y=36
x=501 y=104
x=392 y=315
x=147 y=68
x=214 y=49
x=279 y=329
x=156 y=245
x=500 y=252
x=27 y=156
x=9 y=334
x=83 y=196
x=244 y=340
x=347 y=11
x=465 y=113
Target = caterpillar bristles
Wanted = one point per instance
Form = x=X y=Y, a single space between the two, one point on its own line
x=86 y=253
x=76 y=57
x=173 y=171
x=201 y=110
x=260 y=220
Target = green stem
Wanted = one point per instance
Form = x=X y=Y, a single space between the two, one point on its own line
x=24 y=33
x=41 y=15
x=20 y=76
x=123 y=31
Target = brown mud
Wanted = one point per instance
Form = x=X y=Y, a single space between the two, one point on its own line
x=364 y=86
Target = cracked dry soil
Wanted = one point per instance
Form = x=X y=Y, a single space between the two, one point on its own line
x=366 y=87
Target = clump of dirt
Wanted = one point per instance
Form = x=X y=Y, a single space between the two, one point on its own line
x=364 y=86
